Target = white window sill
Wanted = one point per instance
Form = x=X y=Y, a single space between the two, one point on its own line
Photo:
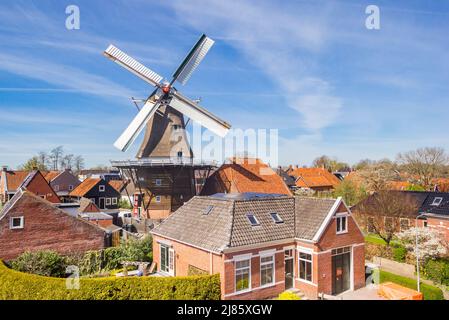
x=342 y=232
x=268 y=285
x=306 y=281
x=243 y=291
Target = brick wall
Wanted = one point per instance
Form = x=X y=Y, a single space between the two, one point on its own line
x=46 y=228
x=440 y=225
x=40 y=187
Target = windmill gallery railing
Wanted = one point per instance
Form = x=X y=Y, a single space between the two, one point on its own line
x=175 y=161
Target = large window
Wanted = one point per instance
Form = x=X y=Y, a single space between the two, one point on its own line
x=242 y=275
x=164 y=258
x=266 y=270
x=305 y=266
x=342 y=224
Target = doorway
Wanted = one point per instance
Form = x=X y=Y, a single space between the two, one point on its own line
x=341 y=270
x=289 y=263
x=101 y=203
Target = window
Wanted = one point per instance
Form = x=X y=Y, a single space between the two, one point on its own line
x=158 y=182
x=93 y=200
x=114 y=200
x=208 y=210
x=252 y=219
x=388 y=223
x=70 y=187
x=338 y=251
x=266 y=270
x=405 y=224
x=158 y=199
x=176 y=127
x=242 y=276
x=437 y=201
x=16 y=223
x=101 y=188
x=276 y=217
x=342 y=224
x=370 y=225
x=164 y=258
x=56 y=187
x=305 y=266
x=179 y=154
x=108 y=201
x=425 y=223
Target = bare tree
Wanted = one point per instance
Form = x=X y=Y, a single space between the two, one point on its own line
x=375 y=177
x=33 y=164
x=382 y=212
x=43 y=158
x=67 y=161
x=55 y=156
x=424 y=163
x=329 y=164
x=78 y=163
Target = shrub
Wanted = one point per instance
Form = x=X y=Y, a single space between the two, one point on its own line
x=399 y=253
x=16 y=285
x=287 y=295
x=124 y=204
x=45 y=263
x=437 y=271
x=429 y=292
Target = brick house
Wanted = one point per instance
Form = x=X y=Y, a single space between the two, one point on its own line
x=262 y=245
x=30 y=223
x=245 y=175
x=100 y=192
x=33 y=181
x=62 y=182
x=316 y=179
x=433 y=206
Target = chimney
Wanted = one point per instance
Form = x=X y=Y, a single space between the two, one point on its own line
x=5 y=168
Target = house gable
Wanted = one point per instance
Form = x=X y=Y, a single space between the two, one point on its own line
x=36 y=183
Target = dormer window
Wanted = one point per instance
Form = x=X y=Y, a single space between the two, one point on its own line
x=176 y=127
x=102 y=188
x=437 y=201
x=252 y=219
x=276 y=218
x=158 y=182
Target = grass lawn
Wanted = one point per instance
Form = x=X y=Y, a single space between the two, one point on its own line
x=375 y=239
x=429 y=292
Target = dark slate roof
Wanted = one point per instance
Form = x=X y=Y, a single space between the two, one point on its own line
x=441 y=209
x=310 y=215
x=227 y=224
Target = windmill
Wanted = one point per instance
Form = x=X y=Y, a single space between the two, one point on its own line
x=165 y=173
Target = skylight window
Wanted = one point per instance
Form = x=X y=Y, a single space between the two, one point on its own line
x=252 y=219
x=208 y=210
x=276 y=218
x=437 y=201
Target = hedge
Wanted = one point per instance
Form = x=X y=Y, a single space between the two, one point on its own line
x=15 y=285
x=429 y=292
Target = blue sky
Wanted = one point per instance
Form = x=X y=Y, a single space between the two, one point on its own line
x=309 y=68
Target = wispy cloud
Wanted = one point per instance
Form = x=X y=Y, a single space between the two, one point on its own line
x=273 y=38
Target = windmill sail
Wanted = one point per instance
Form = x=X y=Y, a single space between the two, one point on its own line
x=193 y=59
x=132 y=65
x=135 y=127
x=199 y=114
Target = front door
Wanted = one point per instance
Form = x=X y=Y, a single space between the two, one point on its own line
x=101 y=203
x=288 y=256
x=341 y=271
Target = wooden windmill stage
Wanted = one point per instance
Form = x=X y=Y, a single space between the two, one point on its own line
x=165 y=173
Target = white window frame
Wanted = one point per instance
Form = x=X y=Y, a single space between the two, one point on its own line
x=108 y=201
x=273 y=264
x=11 y=223
x=278 y=217
x=114 y=201
x=311 y=265
x=157 y=199
x=158 y=182
x=338 y=220
x=171 y=261
x=160 y=257
x=56 y=188
x=249 y=274
x=70 y=187
x=255 y=218
x=437 y=201
x=101 y=188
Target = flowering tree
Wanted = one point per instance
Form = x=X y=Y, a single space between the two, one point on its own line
x=431 y=242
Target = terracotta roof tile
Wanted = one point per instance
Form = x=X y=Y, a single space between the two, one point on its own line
x=15 y=178
x=314 y=177
x=50 y=175
x=84 y=187
x=117 y=184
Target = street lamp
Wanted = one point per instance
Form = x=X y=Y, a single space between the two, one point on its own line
x=417 y=249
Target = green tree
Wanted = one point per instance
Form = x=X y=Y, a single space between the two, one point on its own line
x=33 y=164
x=350 y=193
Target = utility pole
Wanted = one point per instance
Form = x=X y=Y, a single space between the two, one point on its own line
x=417 y=251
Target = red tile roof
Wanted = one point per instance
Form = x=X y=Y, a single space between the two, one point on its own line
x=117 y=184
x=245 y=175
x=15 y=178
x=85 y=187
x=314 y=177
x=50 y=175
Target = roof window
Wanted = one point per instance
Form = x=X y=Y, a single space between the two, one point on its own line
x=276 y=218
x=437 y=201
x=252 y=219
